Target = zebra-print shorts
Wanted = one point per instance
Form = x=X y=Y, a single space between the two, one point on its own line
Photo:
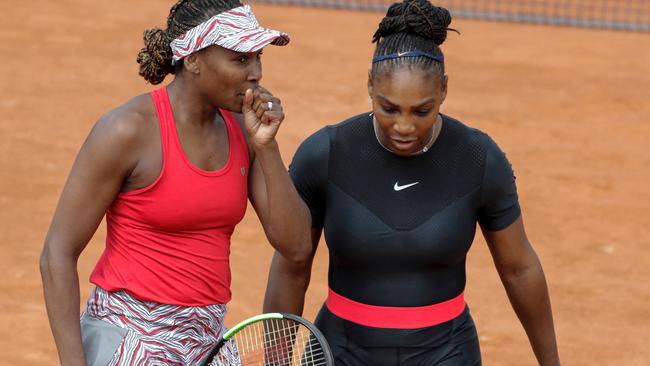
x=118 y=329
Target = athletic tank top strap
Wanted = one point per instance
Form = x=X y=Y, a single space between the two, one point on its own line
x=235 y=132
x=165 y=118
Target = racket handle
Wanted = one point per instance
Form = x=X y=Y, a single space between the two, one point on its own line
x=215 y=350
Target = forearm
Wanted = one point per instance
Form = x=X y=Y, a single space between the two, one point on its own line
x=528 y=294
x=61 y=290
x=287 y=284
x=285 y=218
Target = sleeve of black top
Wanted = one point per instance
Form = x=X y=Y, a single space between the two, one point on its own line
x=499 y=200
x=308 y=170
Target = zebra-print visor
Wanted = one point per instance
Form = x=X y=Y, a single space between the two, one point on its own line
x=236 y=29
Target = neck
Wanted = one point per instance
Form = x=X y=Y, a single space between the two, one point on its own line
x=189 y=104
x=435 y=132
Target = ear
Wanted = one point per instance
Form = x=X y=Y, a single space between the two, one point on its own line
x=443 y=86
x=370 y=90
x=191 y=64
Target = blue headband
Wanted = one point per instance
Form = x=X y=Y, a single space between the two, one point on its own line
x=440 y=58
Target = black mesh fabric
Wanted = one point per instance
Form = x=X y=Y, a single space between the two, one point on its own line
x=402 y=247
x=363 y=169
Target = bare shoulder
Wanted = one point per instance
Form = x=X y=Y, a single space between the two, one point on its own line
x=120 y=138
x=130 y=123
x=130 y=119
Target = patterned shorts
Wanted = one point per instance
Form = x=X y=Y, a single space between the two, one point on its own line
x=118 y=329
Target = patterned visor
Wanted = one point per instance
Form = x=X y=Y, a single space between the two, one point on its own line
x=236 y=29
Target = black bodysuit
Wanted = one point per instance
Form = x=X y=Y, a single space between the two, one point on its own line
x=398 y=228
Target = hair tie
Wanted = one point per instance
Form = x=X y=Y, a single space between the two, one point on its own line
x=439 y=58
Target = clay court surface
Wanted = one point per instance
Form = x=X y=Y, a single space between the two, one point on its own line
x=569 y=106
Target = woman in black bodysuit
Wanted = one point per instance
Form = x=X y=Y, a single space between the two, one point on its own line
x=398 y=192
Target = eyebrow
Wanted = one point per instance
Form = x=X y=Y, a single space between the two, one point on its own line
x=426 y=101
x=239 y=54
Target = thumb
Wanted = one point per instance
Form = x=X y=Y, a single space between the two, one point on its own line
x=247 y=106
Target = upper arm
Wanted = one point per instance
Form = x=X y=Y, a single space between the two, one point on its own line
x=510 y=248
x=309 y=172
x=256 y=181
x=315 y=239
x=103 y=163
x=257 y=187
x=499 y=206
x=500 y=214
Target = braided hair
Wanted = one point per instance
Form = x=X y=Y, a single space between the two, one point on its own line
x=155 y=58
x=411 y=25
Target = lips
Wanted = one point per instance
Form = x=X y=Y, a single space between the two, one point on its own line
x=403 y=144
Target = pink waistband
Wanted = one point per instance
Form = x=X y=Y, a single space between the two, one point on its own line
x=395 y=317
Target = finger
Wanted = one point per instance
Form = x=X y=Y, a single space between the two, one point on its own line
x=256 y=93
x=268 y=106
x=262 y=102
x=247 y=105
x=265 y=119
x=272 y=105
x=256 y=99
x=263 y=90
x=276 y=104
x=272 y=117
x=263 y=94
x=260 y=109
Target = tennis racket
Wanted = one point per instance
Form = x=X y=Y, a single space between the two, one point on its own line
x=272 y=339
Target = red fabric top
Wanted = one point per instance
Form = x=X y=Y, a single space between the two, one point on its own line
x=170 y=241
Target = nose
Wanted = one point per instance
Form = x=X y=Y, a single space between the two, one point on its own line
x=403 y=127
x=255 y=72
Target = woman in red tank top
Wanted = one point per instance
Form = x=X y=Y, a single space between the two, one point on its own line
x=172 y=171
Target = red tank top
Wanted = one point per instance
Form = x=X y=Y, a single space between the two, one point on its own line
x=170 y=241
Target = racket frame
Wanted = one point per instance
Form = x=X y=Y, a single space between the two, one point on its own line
x=329 y=359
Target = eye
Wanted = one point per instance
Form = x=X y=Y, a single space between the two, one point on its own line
x=388 y=110
x=242 y=59
x=423 y=113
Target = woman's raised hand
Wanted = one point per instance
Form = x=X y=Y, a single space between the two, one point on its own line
x=262 y=116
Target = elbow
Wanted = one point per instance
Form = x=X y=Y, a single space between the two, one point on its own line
x=297 y=255
x=513 y=275
x=303 y=251
x=523 y=265
x=297 y=252
x=292 y=240
x=295 y=247
x=300 y=258
x=44 y=263
x=53 y=259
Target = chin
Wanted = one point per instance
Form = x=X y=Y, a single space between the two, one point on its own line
x=235 y=106
x=237 y=109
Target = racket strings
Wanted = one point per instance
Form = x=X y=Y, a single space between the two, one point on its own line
x=274 y=342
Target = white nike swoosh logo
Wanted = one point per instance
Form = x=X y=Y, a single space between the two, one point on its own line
x=398 y=188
